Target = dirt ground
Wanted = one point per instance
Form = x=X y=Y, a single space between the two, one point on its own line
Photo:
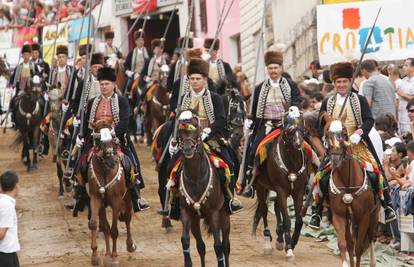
x=50 y=236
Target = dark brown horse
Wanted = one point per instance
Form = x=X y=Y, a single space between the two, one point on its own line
x=201 y=196
x=158 y=106
x=107 y=187
x=29 y=111
x=120 y=75
x=285 y=172
x=354 y=205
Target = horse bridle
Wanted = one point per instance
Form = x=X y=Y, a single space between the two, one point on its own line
x=347 y=191
x=29 y=115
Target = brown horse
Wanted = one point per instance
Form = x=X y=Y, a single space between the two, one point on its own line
x=29 y=111
x=285 y=172
x=201 y=197
x=157 y=107
x=107 y=187
x=311 y=124
x=120 y=75
x=354 y=205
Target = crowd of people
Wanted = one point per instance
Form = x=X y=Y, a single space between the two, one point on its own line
x=24 y=13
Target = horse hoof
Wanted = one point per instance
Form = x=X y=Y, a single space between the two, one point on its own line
x=289 y=255
x=107 y=262
x=267 y=250
x=115 y=264
x=166 y=224
x=61 y=196
x=132 y=247
x=96 y=261
x=279 y=246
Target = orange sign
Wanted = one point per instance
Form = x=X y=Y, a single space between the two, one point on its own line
x=340 y=1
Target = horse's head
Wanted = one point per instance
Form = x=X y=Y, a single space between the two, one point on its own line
x=188 y=133
x=336 y=140
x=55 y=98
x=164 y=72
x=236 y=115
x=104 y=138
x=292 y=127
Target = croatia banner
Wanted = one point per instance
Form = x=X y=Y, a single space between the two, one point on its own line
x=143 y=6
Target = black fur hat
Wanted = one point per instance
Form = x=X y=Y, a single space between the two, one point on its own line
x=62 y=49
x=97 y=58
x=106 y=74
x=209 y=41
x=180 y=43
x=36 y=47
x=341 y=70
x=83 y=49
x=109 y=35
x=198 y=66
x=26 y=48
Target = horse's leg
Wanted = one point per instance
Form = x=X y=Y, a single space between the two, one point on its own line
x=201 y=247
x=372 y=259
x=114 y=231
x=93 y=226
x=282 y=200
x=261 y=212
x=339 y=225
x=59 y=173
x=298 y=203
x=350 y=246
x=131 y=247
x=103 y=222
x=225 y=232
x=36 y=139
x=279 y=227
x=216 y=230
x=185 y=237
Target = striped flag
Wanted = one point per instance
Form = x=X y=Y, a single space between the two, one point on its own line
x=142 y=6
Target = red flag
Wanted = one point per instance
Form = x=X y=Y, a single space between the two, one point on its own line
x=143 y=6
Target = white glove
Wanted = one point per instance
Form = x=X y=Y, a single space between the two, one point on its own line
x=248 y=123
x=206 y=132
x=76 y=122
x=355 y=138
x=46 y=97
x=170 y=184
x=147 y=79
x=173 y=149
x=129 y=73
x=65 y=107
x=79 y=141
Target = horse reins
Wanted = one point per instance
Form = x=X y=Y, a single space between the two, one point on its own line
x=29 y=115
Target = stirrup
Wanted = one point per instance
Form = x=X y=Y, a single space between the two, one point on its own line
x=237 y=208
x=313 y=226
x=392 y=216
x=249 y=192
x=142 y=204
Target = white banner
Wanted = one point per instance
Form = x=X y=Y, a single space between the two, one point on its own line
x=161 y=3
x=343 y=30
x=6 y=39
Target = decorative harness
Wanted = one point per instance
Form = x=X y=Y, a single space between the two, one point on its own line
x=114 y=180
x=190 y=201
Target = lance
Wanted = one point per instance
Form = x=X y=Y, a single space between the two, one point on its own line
x=242 y=176
x=175 y=131
x=358 y=67
x=163 y=38
x=80 y=112
x=67 y=96
x=5 y=120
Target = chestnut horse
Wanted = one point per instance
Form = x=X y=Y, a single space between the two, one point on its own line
x=354 y=205
x=285 y=172
x=201 y=197
x=107 y=187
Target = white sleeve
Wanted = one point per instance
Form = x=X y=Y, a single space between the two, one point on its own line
x=6 y=218
x=101 y=48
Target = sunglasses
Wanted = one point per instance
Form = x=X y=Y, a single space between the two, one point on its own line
x=410 y=110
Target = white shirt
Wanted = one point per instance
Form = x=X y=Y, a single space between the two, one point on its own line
x=61 y=69
x=407 y=86
x=8 y=219
x=199 y=94
x=410 y=171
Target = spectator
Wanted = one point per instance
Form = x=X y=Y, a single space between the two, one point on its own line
x=315 y=100
x=4 y=19
x=9 y=241
x=408 y=136
x=405 y=91
x=410 y=170
x=395 y=164
x=316 y=69
x=378 y=90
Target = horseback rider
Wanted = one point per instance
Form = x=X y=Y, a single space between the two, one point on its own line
x=108 y=49
x=136 y=59
x=111 y=106
x=358 y=124
x=42 y=69
x=150 y=74
x=271 y=97
x=220 y=72
x=175 y=71
x=208 y=107
x=22 y=77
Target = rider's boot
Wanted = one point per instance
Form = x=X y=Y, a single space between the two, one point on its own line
x=81 y=197
x=248 y=190
x=233 y=204
x=316 y=217
x=138 y=203
x=386 y=202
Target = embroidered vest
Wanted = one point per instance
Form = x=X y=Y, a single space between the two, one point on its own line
x=264 y=91
x=354 y=112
